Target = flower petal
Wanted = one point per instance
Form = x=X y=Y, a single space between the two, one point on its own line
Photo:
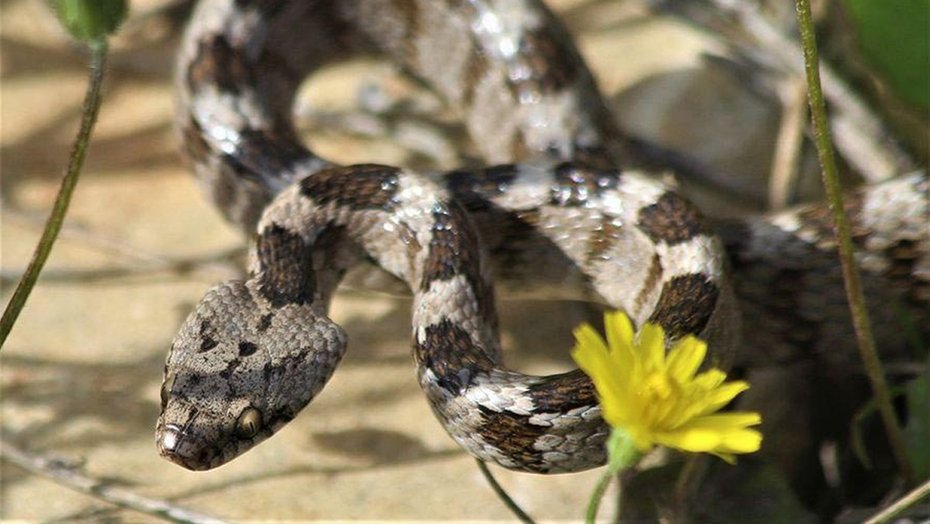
x=651 y=350
x=722 y=395
x=685 y=358
x=725 y=432
x=619 y=329
x=587 y=336
x=743 y=441
x=698 y=440
x=597 y=364
x=709 y=379
x=725 y=421
x=591 y=355
x=620 y=340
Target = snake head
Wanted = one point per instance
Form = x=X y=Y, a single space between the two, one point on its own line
x=238 y=370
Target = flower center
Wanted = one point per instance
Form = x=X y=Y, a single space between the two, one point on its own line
x=657 y=386
x=661 y=394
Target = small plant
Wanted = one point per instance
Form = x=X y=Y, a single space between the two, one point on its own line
x=650 y=397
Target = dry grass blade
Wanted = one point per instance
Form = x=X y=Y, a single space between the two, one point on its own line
x=72 y=478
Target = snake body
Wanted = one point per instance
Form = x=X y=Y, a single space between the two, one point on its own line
x=554 y=205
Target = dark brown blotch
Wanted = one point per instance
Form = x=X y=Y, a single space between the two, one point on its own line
x=652 y=278
x=453 y=247
x=452 y=355
x=359 y=187
x=672 y=219
x=218 y=63
x=551 y=60
x=490 y=181
x=819 y=219
x=259 y=157
x=563 y=393
x=230 y=368
x=514 y=436
x=247 y=348
x=207 y=341
x=474 y=188
x=686 y=304
x=285 y=271
x=265 y=322
x=454 y=250
x=269 y=151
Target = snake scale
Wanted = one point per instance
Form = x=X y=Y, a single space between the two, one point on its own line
x=557 y=204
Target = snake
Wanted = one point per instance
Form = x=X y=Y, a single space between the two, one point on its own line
x=560 y=203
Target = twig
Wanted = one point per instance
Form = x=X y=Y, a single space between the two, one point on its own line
x=688 y=481
x=788 y=144
x=860 y=315
x=509 y=502
x=86 y=237
x=139 y=261
x=60 y=208
x=908 y=500
x=211 y=265
x=69 y=477
x=138 y=274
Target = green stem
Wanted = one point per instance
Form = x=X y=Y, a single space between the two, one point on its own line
x=860 y=316
x=57 y=216
x=499 y=490
x=597 y=495
x=621 y=454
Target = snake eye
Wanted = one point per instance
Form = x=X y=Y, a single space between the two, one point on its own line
x=249 y=422
x=166 y=389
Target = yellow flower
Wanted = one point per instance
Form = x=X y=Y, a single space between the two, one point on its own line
x=657 y=398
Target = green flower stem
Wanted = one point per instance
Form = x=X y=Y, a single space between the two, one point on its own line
x=597 y=495
x=622 y=453
x=53 y=225
x=499 y=490
x=854 y=294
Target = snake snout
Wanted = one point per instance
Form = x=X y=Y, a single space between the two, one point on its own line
x=182 y=449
